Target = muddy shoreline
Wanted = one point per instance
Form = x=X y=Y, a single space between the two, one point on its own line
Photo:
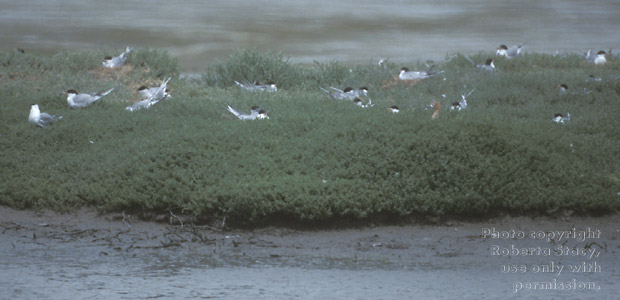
x=397 y=261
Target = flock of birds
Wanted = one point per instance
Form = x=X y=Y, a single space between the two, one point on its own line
x=153 y=95
x=150 y=96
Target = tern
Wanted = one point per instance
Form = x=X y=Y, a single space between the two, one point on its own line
x=269 y=87
x=590 y=57
x=256 y=86
x=146 y=92
x=513 y=52
x=393 y=109
x=38 y=118
x=254 y=113
x=156 y=95
x=405 y=74
x=359 y=103
x=262 y=114
x=76 y=100
x=489 y=65
x=363 y=91
x=564 y=90
x=345 y=94
x=117 y=61
x=559 y=118
x=600 y=58
x=460 y=105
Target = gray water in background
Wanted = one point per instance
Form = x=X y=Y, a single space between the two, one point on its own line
x=198 y=32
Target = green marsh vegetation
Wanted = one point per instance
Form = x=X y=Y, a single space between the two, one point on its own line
x=316 y=160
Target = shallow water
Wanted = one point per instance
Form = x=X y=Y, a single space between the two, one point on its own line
x=198 y=32
x=85 y=256
x=66 y=272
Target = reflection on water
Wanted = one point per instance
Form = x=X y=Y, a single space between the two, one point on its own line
x=197 y=32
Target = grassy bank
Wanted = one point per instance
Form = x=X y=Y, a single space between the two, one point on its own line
x=316 y=159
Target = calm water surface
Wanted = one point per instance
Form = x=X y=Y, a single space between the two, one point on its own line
x=81 y=271
x=198 y=32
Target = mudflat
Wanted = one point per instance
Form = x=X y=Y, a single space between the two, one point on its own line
x=119 y=256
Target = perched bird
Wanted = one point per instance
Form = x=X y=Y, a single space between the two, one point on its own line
x=461 y=104
x=489 y=65
x=117 y=61
x=559 y=118
x=76 y=100
x=38 y=118
x=146 y=92
x=393 y=109
x=405 y=74
x=501 y=50
x=358 y=102
x=600 y=58
x=146 y=103
x=345 y=94
x=269 y=87
x=564 y=90
x=437 y=109
x=262 y=114
x=513 y=52
x=590 y=57
x=363 y=91
x=255 y=113
x=156 y=95
x=256 y=86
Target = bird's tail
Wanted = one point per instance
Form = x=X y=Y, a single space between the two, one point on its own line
x=471 y=61
x=160 y=93
x=233 y=111
x=465 y=96
x=431 y=74
x=105 y=93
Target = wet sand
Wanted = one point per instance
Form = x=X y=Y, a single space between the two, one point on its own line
x=46 y=255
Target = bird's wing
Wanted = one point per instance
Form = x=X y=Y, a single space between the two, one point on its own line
x=85 y=99
x=160 y=92
x=46 y=119
x=138 y=105
x=324 y=90
x=234 y=112
x=100 y=94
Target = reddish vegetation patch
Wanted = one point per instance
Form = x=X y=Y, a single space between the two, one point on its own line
x=121 y=73
x=126 y=74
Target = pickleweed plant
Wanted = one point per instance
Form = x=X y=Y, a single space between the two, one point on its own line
x=317 y=159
